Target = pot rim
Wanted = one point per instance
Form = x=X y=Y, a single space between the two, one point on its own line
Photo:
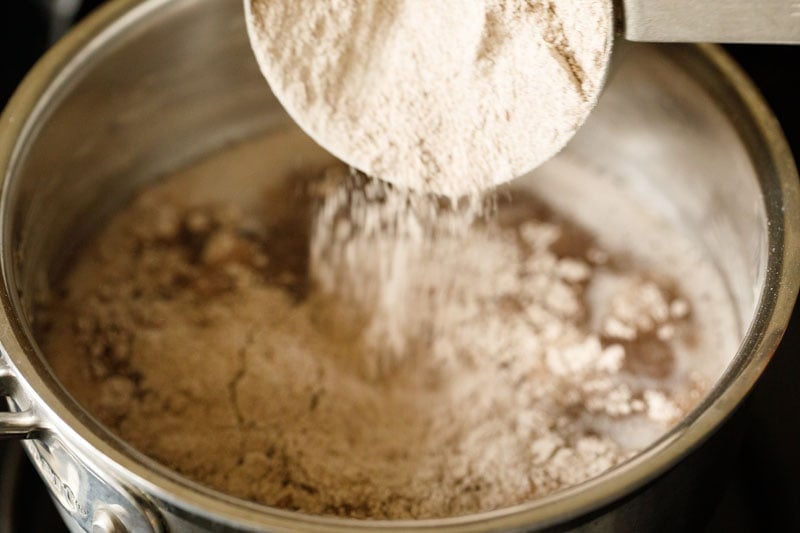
x=61 y=414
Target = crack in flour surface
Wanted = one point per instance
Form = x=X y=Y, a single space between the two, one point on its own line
x=229 y=323
x=446 y=96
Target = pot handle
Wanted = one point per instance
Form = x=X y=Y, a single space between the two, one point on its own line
x=22 y=424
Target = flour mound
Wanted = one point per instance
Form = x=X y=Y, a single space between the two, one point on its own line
x=451 y=96
x=259 y=345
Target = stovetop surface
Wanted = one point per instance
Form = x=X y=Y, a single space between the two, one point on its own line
x=764 y=493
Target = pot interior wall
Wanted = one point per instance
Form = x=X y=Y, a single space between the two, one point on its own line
x=180 y=82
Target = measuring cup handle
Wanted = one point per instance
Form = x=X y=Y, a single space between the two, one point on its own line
x=716 y=21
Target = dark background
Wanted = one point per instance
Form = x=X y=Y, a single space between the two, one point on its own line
x=764 y=493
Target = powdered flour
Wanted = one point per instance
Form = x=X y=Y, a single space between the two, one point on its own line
x=445 y=96
x=201 y=328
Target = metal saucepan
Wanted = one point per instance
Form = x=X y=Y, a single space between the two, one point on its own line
x=142 y=87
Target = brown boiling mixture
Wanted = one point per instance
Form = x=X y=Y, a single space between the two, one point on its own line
x=336 y=369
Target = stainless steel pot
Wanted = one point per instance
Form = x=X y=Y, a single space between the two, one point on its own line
x=144 y=86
